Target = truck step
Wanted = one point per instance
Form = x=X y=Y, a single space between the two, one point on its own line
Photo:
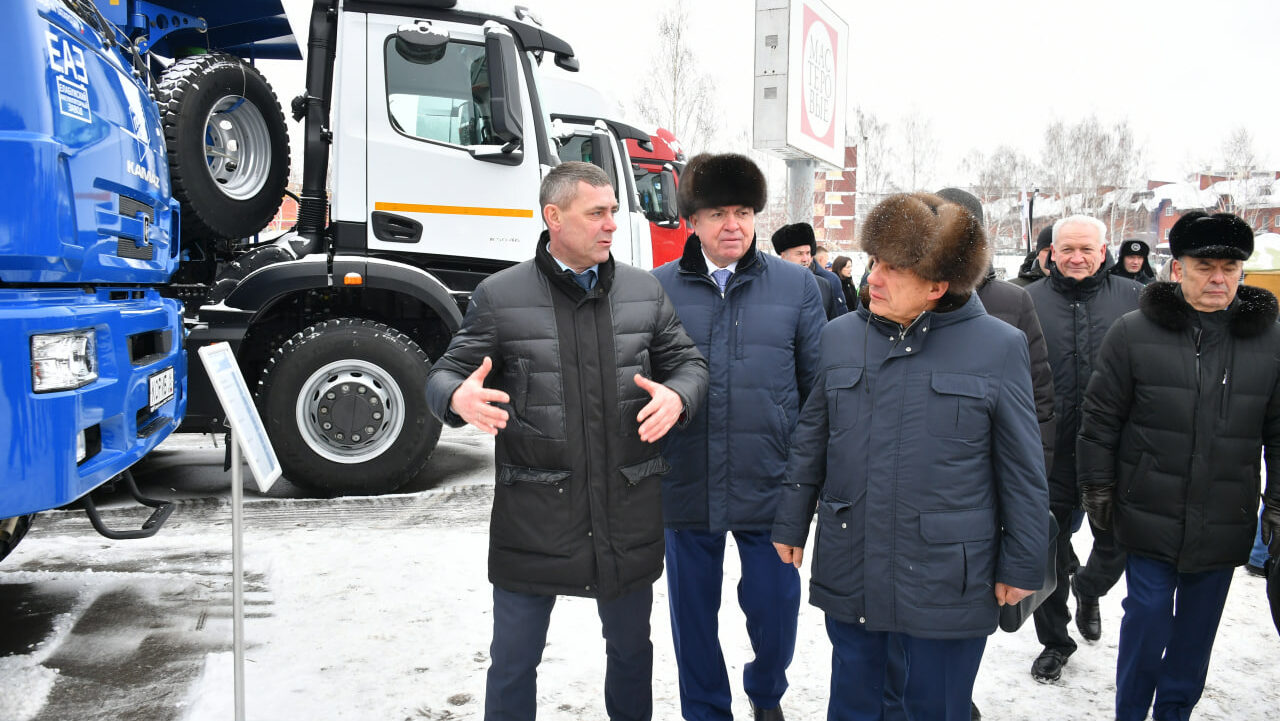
x=149 y=527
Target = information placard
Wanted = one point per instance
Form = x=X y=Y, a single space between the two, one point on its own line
x=246 y=424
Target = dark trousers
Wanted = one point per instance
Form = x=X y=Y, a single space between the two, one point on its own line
x=939 y=674
x=520 y=623
x=1097 y=576
x=1170 y=621
x=769 y=594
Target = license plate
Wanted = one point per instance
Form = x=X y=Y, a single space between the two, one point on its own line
x=161 y=386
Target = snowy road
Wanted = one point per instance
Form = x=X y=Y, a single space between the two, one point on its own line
x=379 y=609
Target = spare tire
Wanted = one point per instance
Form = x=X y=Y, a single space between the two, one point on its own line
x=227 y=142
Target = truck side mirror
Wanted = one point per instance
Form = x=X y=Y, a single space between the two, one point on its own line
x=504 y=88
x=602 y=156
x=668 y=212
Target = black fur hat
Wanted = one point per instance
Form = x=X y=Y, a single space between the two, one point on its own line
x=1221 y=235
x=792 y=236
x=714 y=181
x=936 y=239
x=1134 y=246
x=964 y=199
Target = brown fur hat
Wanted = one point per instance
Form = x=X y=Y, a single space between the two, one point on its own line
x=936 y=239
x=715 y=181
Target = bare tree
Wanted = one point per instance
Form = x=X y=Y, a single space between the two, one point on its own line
x=1240 y=162
x=919 y=150
x=875 y=156
x=1005 y=173
x=678 y=94
x=1085 y=158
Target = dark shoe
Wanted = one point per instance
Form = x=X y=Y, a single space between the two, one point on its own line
x=1088 y=615
x=974 y=713
x=766 y=714
x=1253 y=570
x=1048 y=665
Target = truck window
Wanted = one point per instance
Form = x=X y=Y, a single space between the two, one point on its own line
x=649 y=186
x=443 y=96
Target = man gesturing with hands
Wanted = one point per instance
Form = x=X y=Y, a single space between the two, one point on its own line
x=577 y=365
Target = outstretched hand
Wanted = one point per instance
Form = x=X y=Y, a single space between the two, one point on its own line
x=660 y=413
x=471 y=401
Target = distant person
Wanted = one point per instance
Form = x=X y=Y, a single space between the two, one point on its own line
x=1036 y=265
x=796 y=243
x=757 y=320
x=1076 y=305
x=579 y=366
x=920 y=452
x=1184 y=402
x=822 y=257
x=842 y=266
x=1134 y=262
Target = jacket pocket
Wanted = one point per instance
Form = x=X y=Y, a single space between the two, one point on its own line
x=1137 y=478
x=636 y=514
x=957 y=406
x=837 y=549
x=844 y=396
x=960 y=553
x=532 y=511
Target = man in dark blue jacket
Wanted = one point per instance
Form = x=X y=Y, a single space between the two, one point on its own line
x=921 y=450
x=796 y=243
x=756 y=319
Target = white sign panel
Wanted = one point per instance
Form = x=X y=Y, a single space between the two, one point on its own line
x=246 y=425
x=818 y=69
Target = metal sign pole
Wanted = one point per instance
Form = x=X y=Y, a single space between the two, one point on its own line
x=237 y=572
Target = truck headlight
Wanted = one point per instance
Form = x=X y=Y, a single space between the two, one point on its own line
x=60 y=361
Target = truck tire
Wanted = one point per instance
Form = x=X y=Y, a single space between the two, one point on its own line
x=344 y=403
x=11 y=532
x=227 y=143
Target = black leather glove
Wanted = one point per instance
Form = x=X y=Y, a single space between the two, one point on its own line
x=1096 y=501
x=1271 y=525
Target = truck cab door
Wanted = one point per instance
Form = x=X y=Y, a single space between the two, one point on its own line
x=599 y=146
x=452 y=166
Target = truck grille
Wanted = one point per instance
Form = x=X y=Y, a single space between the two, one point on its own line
x=126 y=248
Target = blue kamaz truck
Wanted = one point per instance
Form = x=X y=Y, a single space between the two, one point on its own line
x=92 y=370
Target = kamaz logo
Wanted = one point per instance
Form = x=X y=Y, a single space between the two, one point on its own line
x=141 y=171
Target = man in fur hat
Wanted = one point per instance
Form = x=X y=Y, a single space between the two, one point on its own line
x=921 y=450
x=796 y=243
x=1076 y=305
x=1181 y=406
x=1133 y=264
x=756 y=318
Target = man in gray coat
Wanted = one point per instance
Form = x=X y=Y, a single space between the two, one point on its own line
x=578 y=365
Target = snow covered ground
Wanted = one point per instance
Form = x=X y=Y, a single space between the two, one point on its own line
x=384 y=613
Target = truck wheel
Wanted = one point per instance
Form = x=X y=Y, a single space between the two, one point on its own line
x=345 y=406
x=227 y=142
x=11 y=531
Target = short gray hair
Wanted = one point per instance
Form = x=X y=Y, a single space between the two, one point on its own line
x=560 y=186
x=1089 y=220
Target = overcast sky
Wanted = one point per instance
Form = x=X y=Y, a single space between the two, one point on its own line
x=1184 y=73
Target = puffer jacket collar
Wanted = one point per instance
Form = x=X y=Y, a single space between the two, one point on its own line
x=563 y=279
x=1252 y=312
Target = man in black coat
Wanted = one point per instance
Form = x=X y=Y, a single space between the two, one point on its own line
x=1076 y=305
x=1183 y=401
x=1134 y=262
x=797 y=243
x=587 y=367
x=1036 y=265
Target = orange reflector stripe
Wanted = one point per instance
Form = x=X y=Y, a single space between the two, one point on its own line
x=352 y=279
x=453 y=210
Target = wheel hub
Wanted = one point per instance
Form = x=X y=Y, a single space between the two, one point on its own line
x=350 y=411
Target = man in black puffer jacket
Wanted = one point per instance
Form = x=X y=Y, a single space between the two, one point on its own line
x=588 y=366
x=1076 y=305
x=1183 y=400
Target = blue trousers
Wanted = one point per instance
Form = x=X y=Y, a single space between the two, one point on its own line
x=1166 y=636
x=520 y=623
x=769 y=594
x=939 y=674
x=1258 y=556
